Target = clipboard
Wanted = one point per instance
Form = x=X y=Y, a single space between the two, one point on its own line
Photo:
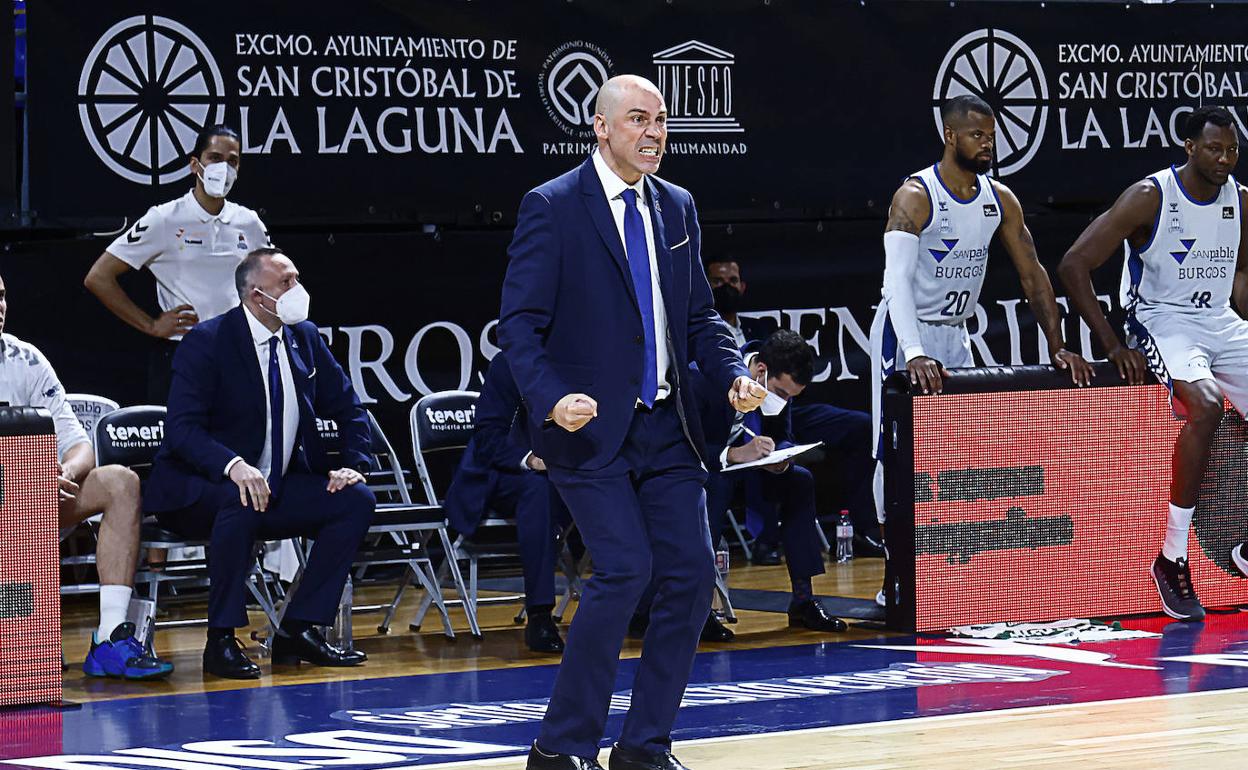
x=778 y=456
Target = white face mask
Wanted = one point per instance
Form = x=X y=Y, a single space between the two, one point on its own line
x=292 y=307
x=772 y=404
x=218 y=178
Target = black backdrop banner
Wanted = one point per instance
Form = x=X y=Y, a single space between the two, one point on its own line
x=445 y=111
x=407 y=314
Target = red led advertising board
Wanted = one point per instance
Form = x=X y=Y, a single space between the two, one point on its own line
x=30 y=605
x=1038 y=505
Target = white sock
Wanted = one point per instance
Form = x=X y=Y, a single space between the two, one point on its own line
x=114 y=601
x=877 y=491
x=1177 y=526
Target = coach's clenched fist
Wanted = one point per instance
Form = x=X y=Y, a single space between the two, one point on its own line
x=746 y=395
x=573 y=411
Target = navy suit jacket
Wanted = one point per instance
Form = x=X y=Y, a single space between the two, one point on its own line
x=570 y=321
x=498 y=446
x=218 y=409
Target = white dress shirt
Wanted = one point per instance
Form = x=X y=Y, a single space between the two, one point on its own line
x=290 y=403
x=614 y=188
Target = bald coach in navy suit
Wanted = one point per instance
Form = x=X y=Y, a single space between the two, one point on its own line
x=604 y=306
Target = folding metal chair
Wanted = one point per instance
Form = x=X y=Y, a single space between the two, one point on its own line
x=399 y=534
x=740 y=532
x=441 y=425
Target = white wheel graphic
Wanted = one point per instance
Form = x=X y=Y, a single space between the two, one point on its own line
x=147 y=88
x=1002 y=70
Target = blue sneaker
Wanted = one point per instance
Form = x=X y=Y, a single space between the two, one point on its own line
x=122 y=656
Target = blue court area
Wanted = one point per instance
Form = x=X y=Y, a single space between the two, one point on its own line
x=465 y=717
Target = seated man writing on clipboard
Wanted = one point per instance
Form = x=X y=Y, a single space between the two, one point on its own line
x=784 y=364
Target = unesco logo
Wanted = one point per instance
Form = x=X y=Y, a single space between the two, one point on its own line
x=696 y=81
x=1002 y=70
x=568 y=83
x=147 y=88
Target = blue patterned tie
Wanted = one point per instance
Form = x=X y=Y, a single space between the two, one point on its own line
x=639 y=266
x=277 y=398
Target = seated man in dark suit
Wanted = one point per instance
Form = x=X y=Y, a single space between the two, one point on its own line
x=783 y=492
x=242 y=460
x=845 y=433
x=499 y=472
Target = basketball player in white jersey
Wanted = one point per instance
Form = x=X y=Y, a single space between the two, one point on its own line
x=1185 y=230
x=936 y=242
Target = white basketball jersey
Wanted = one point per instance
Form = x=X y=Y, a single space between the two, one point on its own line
x=1189 y=262
x=953 y=249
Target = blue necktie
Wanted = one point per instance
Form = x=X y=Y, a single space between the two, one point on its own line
x=277 y=397
x=639 y=266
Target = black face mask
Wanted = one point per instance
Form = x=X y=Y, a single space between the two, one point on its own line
x=727 y=298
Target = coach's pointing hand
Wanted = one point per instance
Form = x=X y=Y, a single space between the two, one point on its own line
x=746 y=395
x=927 y=373
x=573 y=411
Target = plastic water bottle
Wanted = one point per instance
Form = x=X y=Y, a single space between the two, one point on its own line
x=721 y=560
x=142 y=613
x=340 y=633
x=718 y=605
x=844 y=538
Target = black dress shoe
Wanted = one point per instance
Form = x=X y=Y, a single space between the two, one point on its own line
x=542 y=635
x=309 y=645
x=638 y=624
x=224 y=657
x=811 y=614
x=868 y=546
x=631 y=759
x=714 y=631
x=540 y=760
x=765 y=555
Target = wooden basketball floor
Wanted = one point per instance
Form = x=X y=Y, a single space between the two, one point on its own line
x=774 y=698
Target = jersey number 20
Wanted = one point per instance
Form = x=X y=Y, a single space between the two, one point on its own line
x=956 y=303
